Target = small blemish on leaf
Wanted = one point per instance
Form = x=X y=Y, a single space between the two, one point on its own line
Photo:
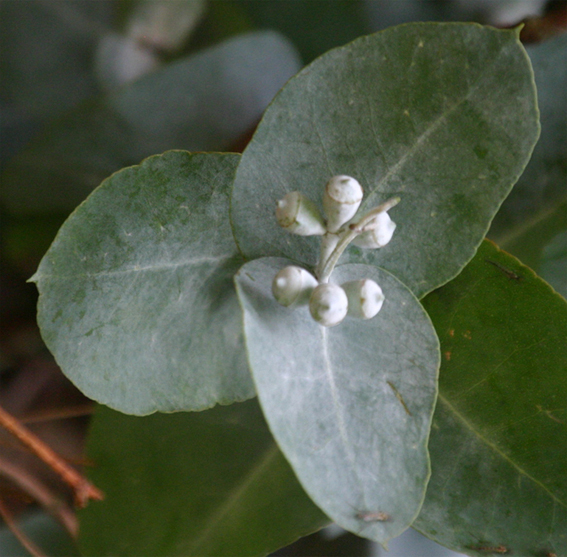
x=508 y=272
x=499 y=549
x=374 y=517
x=399 y=397
x=467 y=335
x=451 y=332
x=480 y=152
x=549 y=414
x=447 y=355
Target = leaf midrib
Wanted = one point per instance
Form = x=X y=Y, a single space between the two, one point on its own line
x=236 y=495
x=431 y=128
x=136 y=269
x=496 y=450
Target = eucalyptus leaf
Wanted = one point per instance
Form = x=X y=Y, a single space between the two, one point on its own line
x=204 y=102
x=349 y=406
x=536 y=209
x=498 y=451
x=192 y=484
x=136 y=296
x=442 y=115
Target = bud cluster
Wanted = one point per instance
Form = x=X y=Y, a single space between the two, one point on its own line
x=330 y=303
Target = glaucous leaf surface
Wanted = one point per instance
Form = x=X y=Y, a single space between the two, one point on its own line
x=442 y=115
x=536 y=209
x=349 y=406
x=205 y=102
x=136 y=298
x=192 y=484
x=497 y=446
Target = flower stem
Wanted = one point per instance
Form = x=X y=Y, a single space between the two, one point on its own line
x=329 y=260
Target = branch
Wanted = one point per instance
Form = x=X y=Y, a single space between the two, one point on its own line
x=81 y=487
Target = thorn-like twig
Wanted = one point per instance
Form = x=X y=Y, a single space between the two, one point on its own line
x=82 y=488
x=38 y=491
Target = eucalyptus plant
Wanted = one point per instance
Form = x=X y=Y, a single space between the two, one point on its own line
x=177 y=285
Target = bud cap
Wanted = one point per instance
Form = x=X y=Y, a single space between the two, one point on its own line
x=292 y=286
x=328 y=304
x=365 y=298
x=341 y=200
x=379 y=235
x=299 y=215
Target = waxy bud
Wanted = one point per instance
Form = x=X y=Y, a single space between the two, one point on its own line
x=365 y=298
x=293 y=286
x=341 y=200
x=328 y=304
x=299 y=215
x=379 y=235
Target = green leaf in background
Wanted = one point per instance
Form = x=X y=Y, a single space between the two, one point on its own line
x=136 y=296
x=554 y=264
x=311 y=28
x=536 y=209
x=442 y=115
x=44 y=531
x=350 y=406
x=498 y=450
x=205 y=102
x=192 y=484
x=46 y=53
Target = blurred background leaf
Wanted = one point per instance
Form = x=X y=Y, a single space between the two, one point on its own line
x=200 y=483
x=45 y=532
x=497 y=446
x=204 y=103
x=536 y=210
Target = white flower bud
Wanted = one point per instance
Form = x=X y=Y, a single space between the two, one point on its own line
x=299 y=215
x=341 y=200
x=379 y=235
x=365 y=298
x=293 y=286
x=328 y=304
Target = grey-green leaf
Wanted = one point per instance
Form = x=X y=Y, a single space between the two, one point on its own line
x=192 y=484
x=136 y=296
x=498 y=451
x=350 y=406
x=554 y=263
x=442 y=115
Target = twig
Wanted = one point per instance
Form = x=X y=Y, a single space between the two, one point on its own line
x=14 y=528
x=49 y=500
x=81 y=487
x=59 y=414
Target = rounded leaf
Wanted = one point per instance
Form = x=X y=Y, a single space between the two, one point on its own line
x=137 y=302
x=443 y=116
x=350 y=406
